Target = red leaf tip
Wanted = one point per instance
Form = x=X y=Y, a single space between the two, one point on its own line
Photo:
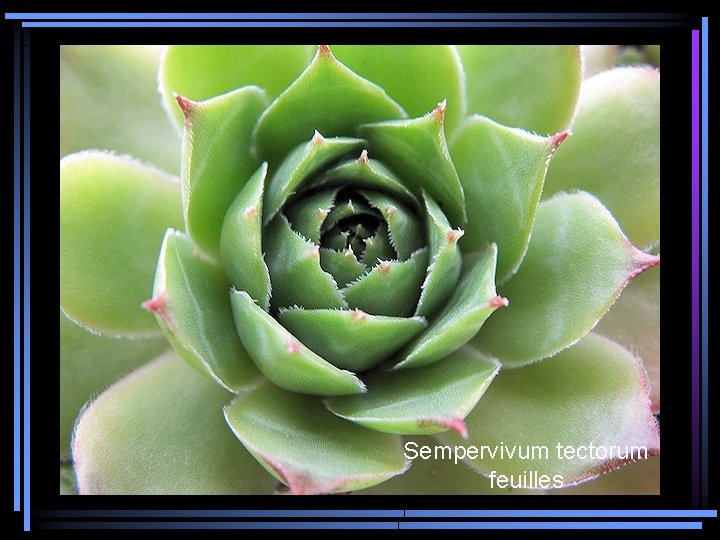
x=557 y=139
x=317 y=138
x=187 y=105
x=499 y=301
x=358 y=315
x=324 y=50
x=385 y=267
x=641 y=261
x=156 y=304
x=363 y=159
x=457 y=424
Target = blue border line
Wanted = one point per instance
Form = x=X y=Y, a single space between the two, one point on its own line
x=384 y=513
x=355 y=24
x=26 y=292
x=704 y=258
x=16 y=272
x=552 y=525
x=561 y=513
x=331 y=16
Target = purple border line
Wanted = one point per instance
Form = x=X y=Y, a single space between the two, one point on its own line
x=704 y=236
x=355 y=24
x=330 y=16
x=16 y=272
x=695 y=473
x=26 y=290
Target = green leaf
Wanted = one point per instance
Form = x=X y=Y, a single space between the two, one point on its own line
x=404 y=228
x=190 y=302
x=597 y=58
x=342 y=265
x=282 y=358
x=528 y=86
x=294 y=261
x=421 y=401
x=299 y=166
x=378 y=248
x=502 y=172
x=241 y=241
x=346 y=209
x=473 y=301
x=634 y=322
x=204 y=71
x=89 y=363
x=327 y=97
x=416 y=76
x=113 y=214
x=307 y=215
x=108 y=100
x=391 y=288
x=309 y=449
x=417 y=149
x=217 y=159
x=594 y=393
x=614 y=152
x=351 y=339
x=577 y=263
x=445 y=259
x=366 y=173
x=160 y=430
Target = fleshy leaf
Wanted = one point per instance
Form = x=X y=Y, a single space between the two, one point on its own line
x=113 y=214
x=298 y=167
x=593 y=393
x=445 y=259
x=391 y=288
x=415 y=76
x=634 y=323
x=89 y=363
x=347 y=209
x=418 y=148
x=115 y=85
x=204 y=71
x=327 y=97
x=473 y=301
x=160 y=430
x=577 y=263
x=614 y=152
x=403 y=226
x=342 y=265
x=309 y=449
x=217 y=160
x=528 y=86
x=351 y=339
x=307 y=215
x=283 y=358
x=294 y=261
x=190 y=302
x=502 y=172
x=241 y=241
x=421 y=401
x=366 y=173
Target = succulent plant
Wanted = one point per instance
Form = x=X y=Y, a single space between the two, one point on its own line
x=363 y=252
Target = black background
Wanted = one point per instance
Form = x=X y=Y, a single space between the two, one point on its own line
x=676 y=254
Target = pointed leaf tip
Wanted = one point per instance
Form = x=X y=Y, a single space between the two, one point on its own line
x=558 y=138
x=439 y=111
x=186 y=105
x=156 y=304
x=453 y=235
x=457 y=424
x=317 y=138
x=363 y=159
x=324 y=50
x=499 y=301
x=641 y=261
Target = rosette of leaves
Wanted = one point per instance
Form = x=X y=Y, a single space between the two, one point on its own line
x=358 y=253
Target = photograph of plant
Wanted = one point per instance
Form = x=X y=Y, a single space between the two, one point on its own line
x=396 y=269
